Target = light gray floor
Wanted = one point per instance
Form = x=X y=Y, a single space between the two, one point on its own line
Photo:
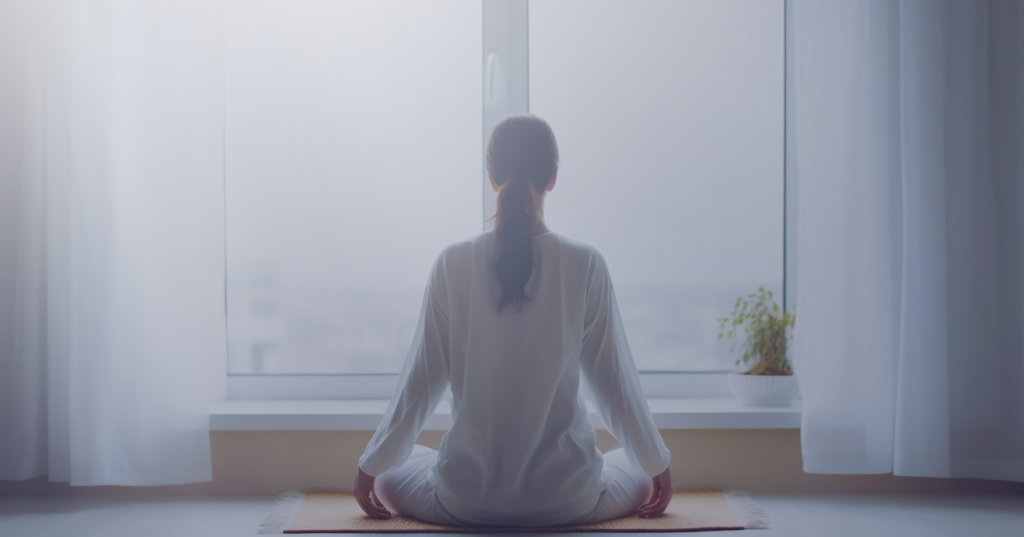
x=796 y=515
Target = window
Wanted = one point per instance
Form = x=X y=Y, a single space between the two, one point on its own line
x=354 y=155
x=670 y=123
x=353 y=158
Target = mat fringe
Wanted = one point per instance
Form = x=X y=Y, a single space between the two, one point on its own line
x=751 y=516
x=286 y=507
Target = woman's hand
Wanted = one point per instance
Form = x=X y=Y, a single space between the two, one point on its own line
x=367 y=498
x=660 y=497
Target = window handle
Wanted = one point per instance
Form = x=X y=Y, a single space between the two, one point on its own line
x=491 y=75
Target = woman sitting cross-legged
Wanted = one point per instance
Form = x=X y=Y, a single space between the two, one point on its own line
x=516 y=321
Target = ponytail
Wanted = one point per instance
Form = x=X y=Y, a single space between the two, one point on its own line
x=522 y=156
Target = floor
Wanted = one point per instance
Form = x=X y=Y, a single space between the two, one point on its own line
x=793 y=515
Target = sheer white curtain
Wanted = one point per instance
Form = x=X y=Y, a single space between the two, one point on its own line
x=910 y=134
x=112 y=322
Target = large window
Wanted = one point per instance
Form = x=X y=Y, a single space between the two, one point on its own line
x=670 y=123
x=354 y=156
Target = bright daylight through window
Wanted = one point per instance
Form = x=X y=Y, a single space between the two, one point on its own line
x=354 y=156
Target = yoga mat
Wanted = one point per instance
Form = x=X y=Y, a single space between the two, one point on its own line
x=338 y=512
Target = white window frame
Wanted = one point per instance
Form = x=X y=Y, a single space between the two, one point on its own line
x=656 y=385
x=505 y=57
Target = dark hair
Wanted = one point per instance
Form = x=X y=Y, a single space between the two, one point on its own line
x=522 y=156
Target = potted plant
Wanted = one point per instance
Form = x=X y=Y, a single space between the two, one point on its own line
x=769 y=381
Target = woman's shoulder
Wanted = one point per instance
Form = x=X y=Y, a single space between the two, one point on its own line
x=468 y=245
x=462 y=252
x=574 y=255
x=550 y=243
x=571 y=247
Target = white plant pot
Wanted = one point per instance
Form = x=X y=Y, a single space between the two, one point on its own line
x=764 y=390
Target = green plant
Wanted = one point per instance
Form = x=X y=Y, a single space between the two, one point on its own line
x=765 y=332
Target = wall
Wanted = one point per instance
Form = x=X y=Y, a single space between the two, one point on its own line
x=764 y=460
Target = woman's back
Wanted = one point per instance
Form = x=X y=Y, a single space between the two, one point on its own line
x=522 y=447
x=521 y=442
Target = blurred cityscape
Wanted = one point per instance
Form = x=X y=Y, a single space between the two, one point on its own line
x=274 y=329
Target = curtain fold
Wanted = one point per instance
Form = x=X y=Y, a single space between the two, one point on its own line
x=115 y=343
x=22 y=242
x=909 y=129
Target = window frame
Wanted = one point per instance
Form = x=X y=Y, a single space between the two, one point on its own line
x=655 y=384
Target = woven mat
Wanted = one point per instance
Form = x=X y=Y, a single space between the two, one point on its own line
x=334 y=512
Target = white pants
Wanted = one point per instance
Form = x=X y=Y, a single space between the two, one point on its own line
x=409 y=491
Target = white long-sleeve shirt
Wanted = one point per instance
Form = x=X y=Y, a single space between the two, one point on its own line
x=521 y=444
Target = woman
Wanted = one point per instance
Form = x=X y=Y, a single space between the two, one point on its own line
x=513 y=320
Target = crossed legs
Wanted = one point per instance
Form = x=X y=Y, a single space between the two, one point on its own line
x=409 y=489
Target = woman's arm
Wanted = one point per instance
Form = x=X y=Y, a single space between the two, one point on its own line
x=609 y=370
x=421 y=386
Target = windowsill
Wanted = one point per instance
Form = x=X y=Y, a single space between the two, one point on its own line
x=365 y=415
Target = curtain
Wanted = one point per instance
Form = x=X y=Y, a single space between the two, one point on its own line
x=909 y=132
x=112 y=320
